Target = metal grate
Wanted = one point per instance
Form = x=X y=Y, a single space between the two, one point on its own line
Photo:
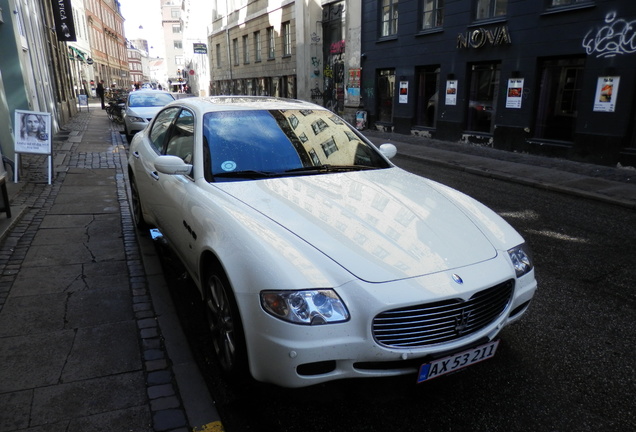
x=443 y=321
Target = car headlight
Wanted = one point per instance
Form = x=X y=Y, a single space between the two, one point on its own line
x=136 y=119
x=521 y=259
x=310 y=307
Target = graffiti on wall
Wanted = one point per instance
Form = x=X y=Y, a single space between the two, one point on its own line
x=617 y=36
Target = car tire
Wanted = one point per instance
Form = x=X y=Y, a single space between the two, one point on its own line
x=129 y=137
x=225 y=325
x=137 y=211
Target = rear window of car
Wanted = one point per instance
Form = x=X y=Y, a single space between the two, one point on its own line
x=275 y=141
x=149 y=99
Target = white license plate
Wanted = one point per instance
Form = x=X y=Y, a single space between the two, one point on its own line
x=456 y=361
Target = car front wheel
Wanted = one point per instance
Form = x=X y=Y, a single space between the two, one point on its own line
x=224 y=324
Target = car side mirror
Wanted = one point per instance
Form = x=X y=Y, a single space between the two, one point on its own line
x=388 y=150
x=172 y=165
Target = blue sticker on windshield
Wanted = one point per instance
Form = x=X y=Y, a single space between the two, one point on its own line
x=228 y=166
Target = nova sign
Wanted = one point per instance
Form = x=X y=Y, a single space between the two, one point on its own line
x=481 y=37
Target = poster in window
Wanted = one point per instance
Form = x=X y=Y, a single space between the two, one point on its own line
x=515 y=92
x=451 y=92
x=606 y=93
x=33 y=132
x=404 y=92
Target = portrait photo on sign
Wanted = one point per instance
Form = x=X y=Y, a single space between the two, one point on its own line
x=32 y=132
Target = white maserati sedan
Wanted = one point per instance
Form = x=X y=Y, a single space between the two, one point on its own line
x=316 y=257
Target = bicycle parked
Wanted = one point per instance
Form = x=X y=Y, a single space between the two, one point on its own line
x=116 y=105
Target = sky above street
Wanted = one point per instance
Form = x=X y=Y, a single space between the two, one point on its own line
x=145 y=13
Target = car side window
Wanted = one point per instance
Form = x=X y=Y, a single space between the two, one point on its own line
x=181 y=142
x=160 y=127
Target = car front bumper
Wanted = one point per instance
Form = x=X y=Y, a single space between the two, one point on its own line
x=292 y=355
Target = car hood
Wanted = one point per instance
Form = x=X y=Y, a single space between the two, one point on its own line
x=143 y=112
x=379 y=225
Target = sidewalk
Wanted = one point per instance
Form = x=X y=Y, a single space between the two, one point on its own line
x=89 y=339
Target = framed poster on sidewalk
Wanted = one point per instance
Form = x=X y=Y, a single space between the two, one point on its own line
x=32 y=135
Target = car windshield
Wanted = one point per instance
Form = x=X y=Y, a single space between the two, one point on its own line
x=261 y=143
x=149 y=99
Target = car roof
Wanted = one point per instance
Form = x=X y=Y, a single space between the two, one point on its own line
x=243 y=103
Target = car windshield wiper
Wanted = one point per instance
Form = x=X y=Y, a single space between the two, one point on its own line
x=326 y=168
x=247 y=174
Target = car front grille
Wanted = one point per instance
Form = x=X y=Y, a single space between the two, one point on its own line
x=443 y=321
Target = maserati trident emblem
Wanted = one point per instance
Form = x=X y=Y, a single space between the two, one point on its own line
x=457 y=279
x=461 y=322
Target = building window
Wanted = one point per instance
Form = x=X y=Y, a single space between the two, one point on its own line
x=271 y=43
x=432 y=14
x=218 y=56
x=246 y=50
x=559 y=94
x=178 y=45
x=490 y=9
x=178 y=60
x=389 y=18
x=482 y=100
x=235 y=51
x=287 y=39
x=257 y=46
x=176 y=28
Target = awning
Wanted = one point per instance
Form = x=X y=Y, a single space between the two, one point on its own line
x=78 y=53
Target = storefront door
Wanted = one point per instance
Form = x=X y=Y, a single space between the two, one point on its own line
x=482 y=100
x=386 y=92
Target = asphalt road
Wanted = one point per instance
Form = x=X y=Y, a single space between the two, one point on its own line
x=567 y=366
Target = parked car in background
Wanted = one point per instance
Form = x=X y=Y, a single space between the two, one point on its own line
x=316 y=257
x=141 y=106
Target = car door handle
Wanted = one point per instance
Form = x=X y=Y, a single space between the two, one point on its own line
x=154 y=175
x=136 y=154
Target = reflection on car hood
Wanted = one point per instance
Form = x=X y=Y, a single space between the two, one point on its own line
x=379 y=225
x=143 y=112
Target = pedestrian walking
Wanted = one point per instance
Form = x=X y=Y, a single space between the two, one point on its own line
x=100 y=92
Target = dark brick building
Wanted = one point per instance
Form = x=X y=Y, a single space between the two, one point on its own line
x=553 y=77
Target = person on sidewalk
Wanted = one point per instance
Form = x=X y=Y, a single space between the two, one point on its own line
x=100 y=92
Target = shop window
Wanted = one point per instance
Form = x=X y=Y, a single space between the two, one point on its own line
x=559 y=91
x=386 y=91
x=427 y=96
x=432 y=14
x=389 y=10
x=486 y=9
x=482 y=101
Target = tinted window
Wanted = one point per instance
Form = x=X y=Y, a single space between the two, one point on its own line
x=160 y=127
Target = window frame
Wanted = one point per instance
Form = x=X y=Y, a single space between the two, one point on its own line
x=286 y=38
x=491 y=13
x=246 y=50
x=235 y=51
x=389 y=26
x=436 y=12
x=258 y=46
x=271 y=43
